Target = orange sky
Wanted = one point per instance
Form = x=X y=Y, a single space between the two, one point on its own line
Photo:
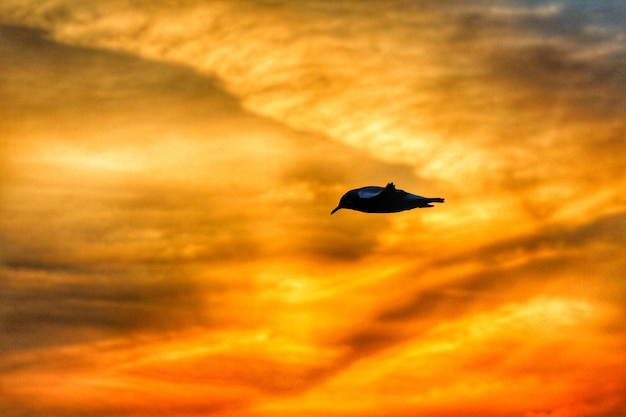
x=167 y=173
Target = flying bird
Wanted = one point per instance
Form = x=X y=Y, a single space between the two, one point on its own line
x=387 y=199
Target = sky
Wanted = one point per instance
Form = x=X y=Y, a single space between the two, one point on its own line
x=167 y=170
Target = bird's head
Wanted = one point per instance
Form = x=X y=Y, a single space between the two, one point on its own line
x=347 y=201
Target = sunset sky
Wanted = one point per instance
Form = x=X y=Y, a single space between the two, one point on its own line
x=167 y=172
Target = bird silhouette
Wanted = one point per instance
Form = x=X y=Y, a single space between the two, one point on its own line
x=373 y=199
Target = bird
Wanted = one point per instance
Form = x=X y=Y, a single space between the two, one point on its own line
x=374 y=199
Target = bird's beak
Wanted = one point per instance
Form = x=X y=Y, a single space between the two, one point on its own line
x=337 y=208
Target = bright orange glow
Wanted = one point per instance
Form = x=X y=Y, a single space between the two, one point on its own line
x=167 y=174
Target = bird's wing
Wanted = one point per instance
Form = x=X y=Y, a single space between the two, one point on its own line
x=370 y=192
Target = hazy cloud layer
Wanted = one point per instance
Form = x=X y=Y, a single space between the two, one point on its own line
x=402 y=96
x=168 y=170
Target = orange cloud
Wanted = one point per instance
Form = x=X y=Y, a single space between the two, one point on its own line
x=168 y=173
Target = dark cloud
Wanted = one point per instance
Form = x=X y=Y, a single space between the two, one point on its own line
x=120 y=90
x=440 y=303
x=103 y=404
x=582 y=87
x=369 y=341
x=47 y=309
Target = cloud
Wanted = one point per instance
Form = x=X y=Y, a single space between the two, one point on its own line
x=166 y=241
x=578 y=262
x=115 y=226
x=42 y=308
x=400 y=97
x=427 y=372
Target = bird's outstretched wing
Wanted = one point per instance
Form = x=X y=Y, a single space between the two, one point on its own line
x=370 y=192
x=375 y=191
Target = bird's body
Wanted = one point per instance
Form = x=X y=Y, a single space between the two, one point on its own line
x=373 y=199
